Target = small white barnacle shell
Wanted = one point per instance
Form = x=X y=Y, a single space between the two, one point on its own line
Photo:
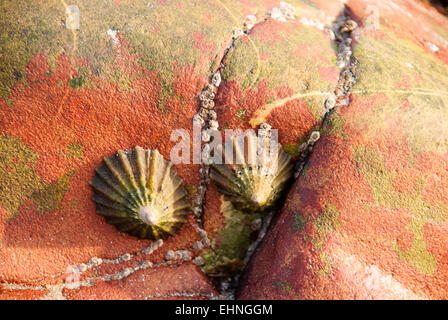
x=250 y=21
x=199 y=261
x=315 y=135
x=208 y=104
x=216 y=78
x=265 y=126
x=213 y=115
x=213 y=124
x=82 y=267
x=330 y=102
x=144 y=264
x=203 y=112
x=205 y=136
x=95 y=261
x=238 y=32
x=140 y=194
x=348 y=26
x=254 y=179
x=198 y=120
x=170 y=255
x=203 y=96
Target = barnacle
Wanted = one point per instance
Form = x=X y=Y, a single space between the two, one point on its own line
x=140 y=193
x=348 y=26
x=255 y=179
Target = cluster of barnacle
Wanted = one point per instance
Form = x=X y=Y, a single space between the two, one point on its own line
x=283 y=12
x=345 y=60
x=305 y=150
x=206 y=119
x=347 y=64
x=119 y=275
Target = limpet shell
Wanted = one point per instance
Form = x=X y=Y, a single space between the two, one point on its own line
x=139 y=193
x=255 y=179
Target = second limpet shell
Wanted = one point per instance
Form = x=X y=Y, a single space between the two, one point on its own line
x=257 y=177
x=140 y=194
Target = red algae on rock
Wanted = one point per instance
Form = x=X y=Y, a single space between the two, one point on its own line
x=366 y=217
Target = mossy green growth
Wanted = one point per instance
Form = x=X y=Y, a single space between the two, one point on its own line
x=328 y=265
x=299 y=222
x=49 y=197
x=27 y=28
x=241 y=114
x=229 y=247
x=335 y=124
x=292 y=149
x=286 y=287
x=372 y=167
x=325 y=223
x=19 y=182
x=285 y=66
x=158 y=36
x=414 y=83
x=75 y=150
x=81 y=80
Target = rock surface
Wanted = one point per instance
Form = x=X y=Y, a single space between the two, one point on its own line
x=367 y=219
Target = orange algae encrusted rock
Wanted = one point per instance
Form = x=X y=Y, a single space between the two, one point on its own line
x=368 y=218
x=71 y=97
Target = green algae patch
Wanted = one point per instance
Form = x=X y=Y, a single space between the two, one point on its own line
x=155 y=36
x=284 y=286
x=229 y=246
x=75 y=150
x=413 y=83
x=49 y=197
x=299 y=222
x=325 y=223
x=19 y=182
x=285 y=66
x=335 y=124
x=27 y=28
x=372 y=167
x=241 y=114
x=292 y=149
x=327 y=267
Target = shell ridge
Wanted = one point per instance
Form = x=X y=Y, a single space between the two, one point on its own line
x=142 y=170
x=140 y=193
x=127 y=166
x=116 y=173
x=257 y=180
x=102 y=174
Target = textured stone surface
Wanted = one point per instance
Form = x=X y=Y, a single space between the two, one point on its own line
x=129 y=76
x=369 y=217
x=370 y=212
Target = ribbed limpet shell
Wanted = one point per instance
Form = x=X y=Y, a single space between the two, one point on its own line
x=140 y=194
x=257 y=177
